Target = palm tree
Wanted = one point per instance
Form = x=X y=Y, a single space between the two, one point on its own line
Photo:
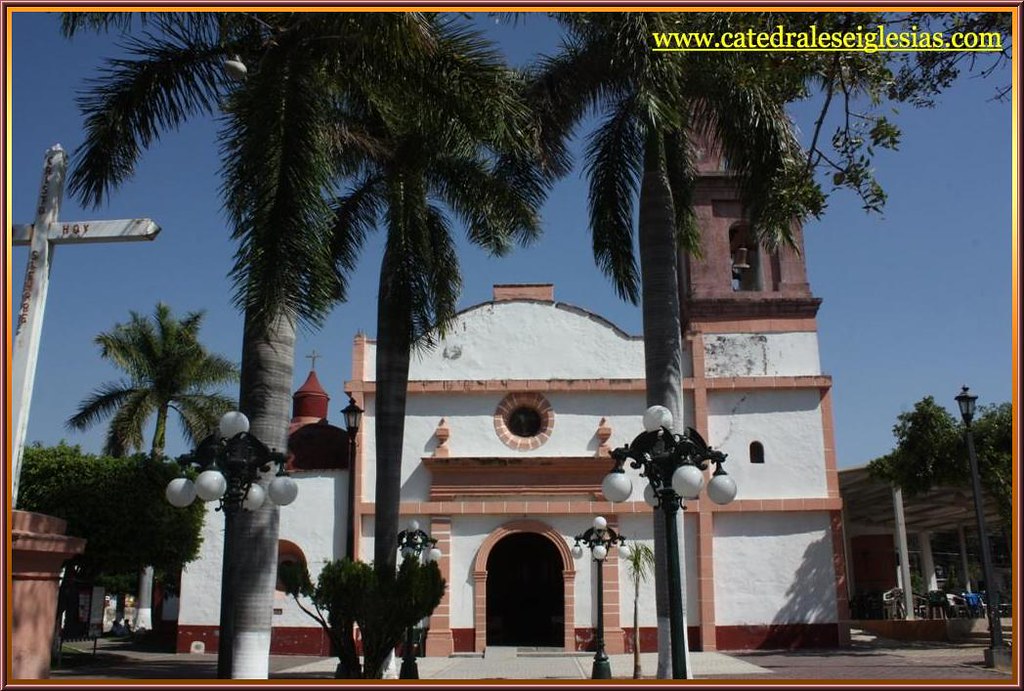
x=639 y=563
x=652 y=107
x=464 y=157
x=168 y=369
x=285 y=145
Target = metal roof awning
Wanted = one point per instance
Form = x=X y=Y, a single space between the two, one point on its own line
x=869 y=503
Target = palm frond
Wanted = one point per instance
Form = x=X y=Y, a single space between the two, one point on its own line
x=167 y=80
x=100 y=404
x=614 y=164
x=682 y=176
x=125 y=431
x=278 y=174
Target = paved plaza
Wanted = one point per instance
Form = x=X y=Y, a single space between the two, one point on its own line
x=868 y=658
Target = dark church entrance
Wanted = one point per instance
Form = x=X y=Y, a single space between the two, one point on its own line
x=525 y=596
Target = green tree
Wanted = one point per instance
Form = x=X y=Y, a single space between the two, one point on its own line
x=382 y=604
x=639 y=558
x=168 y=369
x=931 y=451
x=117 y=505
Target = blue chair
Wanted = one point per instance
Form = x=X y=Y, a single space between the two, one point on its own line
x=975 y=607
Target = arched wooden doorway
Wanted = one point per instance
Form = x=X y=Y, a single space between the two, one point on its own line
x=524 y=588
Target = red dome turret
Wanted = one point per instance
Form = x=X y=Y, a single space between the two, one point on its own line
x=309 y=403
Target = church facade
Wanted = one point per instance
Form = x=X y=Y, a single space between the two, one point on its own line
x=509 y=425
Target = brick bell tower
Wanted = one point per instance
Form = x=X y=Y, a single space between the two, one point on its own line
x=756 y=392
x=736 y=278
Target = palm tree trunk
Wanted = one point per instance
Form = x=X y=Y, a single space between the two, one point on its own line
x=268 y=357
x=156 y=452
x=637 y=670
x=393 y=345
x=144 y=595
x=663 y=355
x=144 y=601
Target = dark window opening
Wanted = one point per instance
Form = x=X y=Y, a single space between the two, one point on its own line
x=756 y=452
x=525 y=422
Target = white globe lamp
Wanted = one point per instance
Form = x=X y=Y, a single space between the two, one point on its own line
x=235 y=68
x=577 y=551
x=255 y=498
x=616 y=486
x=688 y=481
x=600 y=523
x=600 y=552
x=650 y=496
x=283 y=490
x=232 y=424
x=211 y=485
x=180 y=492
x=656 y=417
x=722 y=488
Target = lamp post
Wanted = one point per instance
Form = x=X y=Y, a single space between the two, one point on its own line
x=673 y=465
x=353 y=416
x=997 y=648
x=230 y=462
x=599 y=539
x=412 y=543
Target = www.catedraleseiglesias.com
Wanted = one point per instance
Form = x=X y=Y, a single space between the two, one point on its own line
x=812 y=39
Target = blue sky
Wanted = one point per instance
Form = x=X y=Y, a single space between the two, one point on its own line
x=917 y=301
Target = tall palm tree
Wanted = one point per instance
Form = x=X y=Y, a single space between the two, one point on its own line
x=285 y=145
x=168 y=370
x=652 y=107
x=639 y=558
x=468 y=156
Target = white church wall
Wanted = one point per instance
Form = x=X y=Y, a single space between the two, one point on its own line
x=640 y=528
x=774 y=568
x=788 y=424
x=469 y=418
x=528 y=340
x=201 y=579
x=761 y=354
x=315 y=522
x=468 y=534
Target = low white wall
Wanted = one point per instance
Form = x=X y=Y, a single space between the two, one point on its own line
x=774 y=568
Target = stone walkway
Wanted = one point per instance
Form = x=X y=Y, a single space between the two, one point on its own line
x=869 y=658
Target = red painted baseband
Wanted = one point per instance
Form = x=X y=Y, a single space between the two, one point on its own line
x=305 y=640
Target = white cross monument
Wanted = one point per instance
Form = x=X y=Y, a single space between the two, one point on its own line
x=42 y=236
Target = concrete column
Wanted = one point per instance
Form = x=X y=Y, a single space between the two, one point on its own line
x=924 y=539
x=901 y=546
x=38 y=551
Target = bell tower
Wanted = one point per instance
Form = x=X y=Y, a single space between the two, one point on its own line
x=756 y=392
x=737 y=278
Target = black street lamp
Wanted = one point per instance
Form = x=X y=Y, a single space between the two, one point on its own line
x=412 y=543
x=230 y=462
x=353 y=416
x=599 y=539
x=997 y=651
x=673 y=465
